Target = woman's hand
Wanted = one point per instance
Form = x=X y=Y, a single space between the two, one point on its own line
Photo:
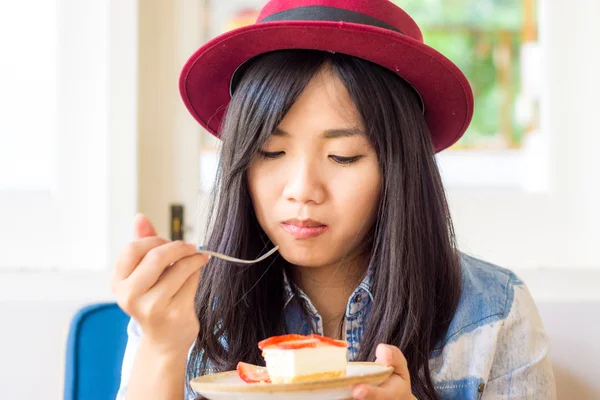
x=155 y=281
x=397 y=387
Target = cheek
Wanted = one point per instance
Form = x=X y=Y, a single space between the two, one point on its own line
x=357 y=196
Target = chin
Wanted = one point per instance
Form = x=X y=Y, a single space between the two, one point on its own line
x=309 y=262
x=303 y=257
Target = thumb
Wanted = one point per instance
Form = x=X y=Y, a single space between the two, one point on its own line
x=391 y=356
x=143 y=227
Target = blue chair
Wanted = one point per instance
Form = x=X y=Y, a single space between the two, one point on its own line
x=95 y=349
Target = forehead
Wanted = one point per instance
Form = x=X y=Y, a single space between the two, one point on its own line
x=325 y=104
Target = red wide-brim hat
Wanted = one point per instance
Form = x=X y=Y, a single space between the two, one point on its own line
x=374 y=30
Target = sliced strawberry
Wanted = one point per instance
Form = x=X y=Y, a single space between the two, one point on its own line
x=273 y=340
x=253 y=373
x=305 y=343
x=329 y=341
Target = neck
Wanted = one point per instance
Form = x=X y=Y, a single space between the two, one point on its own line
x=329 y=288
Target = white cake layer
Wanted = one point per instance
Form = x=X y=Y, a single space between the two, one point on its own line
x=291 y=363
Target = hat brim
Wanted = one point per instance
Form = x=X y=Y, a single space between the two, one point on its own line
x=447 y=96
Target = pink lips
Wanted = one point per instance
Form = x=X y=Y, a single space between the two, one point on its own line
x=304 y=229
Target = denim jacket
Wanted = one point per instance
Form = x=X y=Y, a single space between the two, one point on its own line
x=495 y=348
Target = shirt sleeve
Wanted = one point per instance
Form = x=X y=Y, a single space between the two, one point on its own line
x=521 y=368
x=134 y=334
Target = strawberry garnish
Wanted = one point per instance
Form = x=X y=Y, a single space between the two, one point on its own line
x=253 y=373
x=298 y=344
x=293 y=342
x=329 y=341
x=273 y=340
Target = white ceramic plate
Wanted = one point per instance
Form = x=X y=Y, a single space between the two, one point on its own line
x=229 y=386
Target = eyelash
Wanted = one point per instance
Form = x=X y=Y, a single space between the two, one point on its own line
x=345 y=160
x=338 y=159
x=271 y=155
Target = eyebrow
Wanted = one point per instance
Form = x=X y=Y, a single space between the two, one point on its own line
x=328 y=134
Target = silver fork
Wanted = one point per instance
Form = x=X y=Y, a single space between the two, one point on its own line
x=238 y=260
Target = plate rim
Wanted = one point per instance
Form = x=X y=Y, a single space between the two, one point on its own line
x=199 y=386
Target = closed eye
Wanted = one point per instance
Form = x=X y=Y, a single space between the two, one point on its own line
x=271 y=154
x=345 y=160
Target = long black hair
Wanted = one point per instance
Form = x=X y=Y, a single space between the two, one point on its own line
x=416 y=282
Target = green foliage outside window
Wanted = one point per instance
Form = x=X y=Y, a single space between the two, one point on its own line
x=484 y=38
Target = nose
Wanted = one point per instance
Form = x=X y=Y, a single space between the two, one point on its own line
x=304 y=184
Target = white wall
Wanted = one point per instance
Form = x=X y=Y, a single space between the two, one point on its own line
x=575 y=347
x=34 y=329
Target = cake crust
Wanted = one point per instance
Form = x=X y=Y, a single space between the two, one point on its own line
x=307 y=378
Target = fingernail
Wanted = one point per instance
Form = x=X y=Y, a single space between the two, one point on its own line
x=383 y=353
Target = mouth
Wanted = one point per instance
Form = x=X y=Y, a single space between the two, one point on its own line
x=304 y=228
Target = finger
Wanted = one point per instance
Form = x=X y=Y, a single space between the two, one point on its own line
x=143 y=227
x=155 y=262
x=177 y=275
x=187 y=294
x=391 y=356
x=132 y=255
x=388 y=390
x=395 y=384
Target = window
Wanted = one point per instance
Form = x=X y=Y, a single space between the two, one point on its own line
x=494 y=42
x=67 y=133
x=27 y=143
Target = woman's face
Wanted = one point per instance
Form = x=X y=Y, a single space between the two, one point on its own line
x=315 y=185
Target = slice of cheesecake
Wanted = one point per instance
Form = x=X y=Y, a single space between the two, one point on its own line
x=298 y=358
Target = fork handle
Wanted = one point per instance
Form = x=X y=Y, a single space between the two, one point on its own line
x=237 y=260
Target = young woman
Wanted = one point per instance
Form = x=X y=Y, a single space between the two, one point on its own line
x=330 y=114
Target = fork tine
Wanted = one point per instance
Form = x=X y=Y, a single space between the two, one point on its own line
x=237 y=260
